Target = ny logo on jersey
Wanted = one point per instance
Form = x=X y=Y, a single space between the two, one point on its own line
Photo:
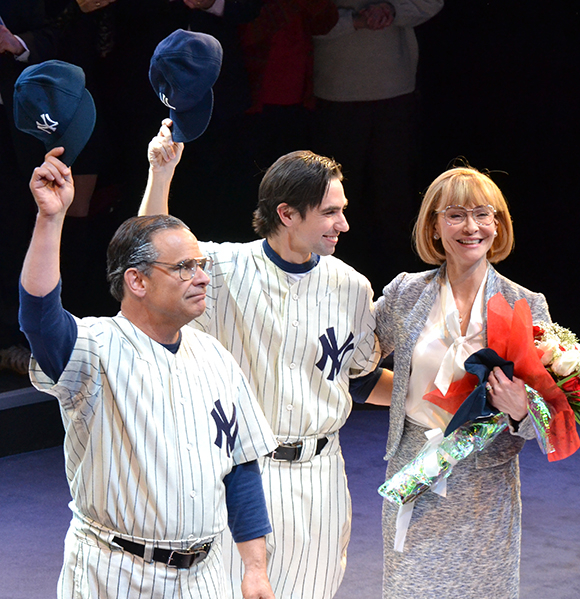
x=48 y=125
x=331 y=350
x=165 y=100
x=226 y=428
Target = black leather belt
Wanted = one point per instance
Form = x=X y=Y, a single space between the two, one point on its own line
x=170 y=557
x=292 y=452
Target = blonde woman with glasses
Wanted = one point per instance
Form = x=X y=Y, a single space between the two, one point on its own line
x=467 y=543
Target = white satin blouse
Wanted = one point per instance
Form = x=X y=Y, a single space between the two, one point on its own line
x=440 y=353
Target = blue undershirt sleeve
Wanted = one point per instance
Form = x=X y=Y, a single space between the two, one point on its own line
x=51 y=330
x=360 y=388
x=247 y=512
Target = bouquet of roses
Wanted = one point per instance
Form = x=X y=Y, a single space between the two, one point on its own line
x=512 y=336
x=560 y=354
x=546 y=357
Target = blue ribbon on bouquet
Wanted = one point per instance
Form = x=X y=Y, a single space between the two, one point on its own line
x=476 y=404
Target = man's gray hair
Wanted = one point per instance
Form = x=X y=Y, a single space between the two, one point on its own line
x=132 y=247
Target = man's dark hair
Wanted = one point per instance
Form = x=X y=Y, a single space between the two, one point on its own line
x=299 y=179
x=132 y=247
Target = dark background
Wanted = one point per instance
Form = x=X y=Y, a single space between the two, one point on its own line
x=499 y=82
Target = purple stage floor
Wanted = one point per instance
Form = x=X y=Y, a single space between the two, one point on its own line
x=34 y=517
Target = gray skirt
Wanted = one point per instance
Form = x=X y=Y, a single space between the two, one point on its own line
x=465 y=545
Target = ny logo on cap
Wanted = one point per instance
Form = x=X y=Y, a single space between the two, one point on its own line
x=48 y=125
x=165 y=101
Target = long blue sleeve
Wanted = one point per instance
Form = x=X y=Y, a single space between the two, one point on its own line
x=51 y=330
x=247 y=512
x=361 y=387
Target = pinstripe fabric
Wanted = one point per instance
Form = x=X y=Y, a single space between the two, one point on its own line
x=94 y=568
x=298 y=344
x=310 y=501
x=144 y=455
x=273 y=330
x=310 y=510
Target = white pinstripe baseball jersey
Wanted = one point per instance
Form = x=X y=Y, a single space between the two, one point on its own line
x=149 y=437
x=298 y=342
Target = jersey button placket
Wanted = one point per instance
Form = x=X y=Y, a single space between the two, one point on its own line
x=179 y=382
x=292 y=316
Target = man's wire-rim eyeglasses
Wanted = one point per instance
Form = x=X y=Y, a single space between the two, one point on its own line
x=456 y=215
x=188 y=268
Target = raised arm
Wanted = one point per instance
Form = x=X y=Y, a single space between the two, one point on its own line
x=53 y=190
x=163 y=154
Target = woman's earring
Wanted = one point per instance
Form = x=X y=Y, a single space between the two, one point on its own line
x=495 y=234
x=436 y=235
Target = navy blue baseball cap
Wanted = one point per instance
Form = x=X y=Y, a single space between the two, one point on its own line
x=183 y=69
x=52 y=103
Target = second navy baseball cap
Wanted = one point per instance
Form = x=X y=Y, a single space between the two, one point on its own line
x=183 y=70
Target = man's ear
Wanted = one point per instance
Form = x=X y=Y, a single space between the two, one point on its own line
x=287 y=214
x=135 y=282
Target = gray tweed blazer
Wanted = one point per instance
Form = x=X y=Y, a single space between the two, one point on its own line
x=401 y=315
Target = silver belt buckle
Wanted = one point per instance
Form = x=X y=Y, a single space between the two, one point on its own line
x=200 y=551
x=297 y=445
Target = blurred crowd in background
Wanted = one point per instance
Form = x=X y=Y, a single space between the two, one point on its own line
x=493 y=86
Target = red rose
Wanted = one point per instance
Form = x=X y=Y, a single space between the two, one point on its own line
x=572 y=386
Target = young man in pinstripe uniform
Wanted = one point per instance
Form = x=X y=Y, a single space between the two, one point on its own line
x=162 y=430
x=300 y=324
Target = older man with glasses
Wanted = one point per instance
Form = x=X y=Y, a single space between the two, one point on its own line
x=162 y=430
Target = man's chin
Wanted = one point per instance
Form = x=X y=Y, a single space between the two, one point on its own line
x=198 y=309
x=326 y=249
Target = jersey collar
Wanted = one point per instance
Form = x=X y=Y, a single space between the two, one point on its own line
x=290 y=266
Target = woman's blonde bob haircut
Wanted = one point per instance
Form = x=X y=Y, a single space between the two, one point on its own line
x=461 y=186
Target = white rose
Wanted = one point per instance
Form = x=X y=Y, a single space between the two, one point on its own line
x=567 y=363
x=548 y=347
